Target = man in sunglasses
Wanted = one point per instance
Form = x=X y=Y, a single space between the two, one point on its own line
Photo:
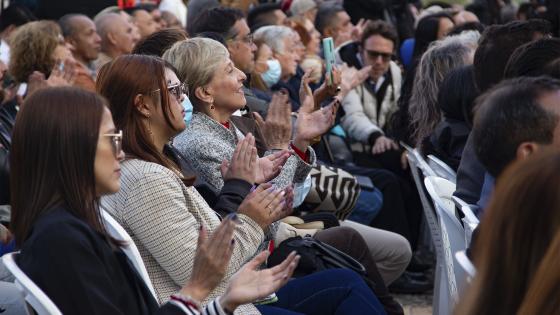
x=369 y=106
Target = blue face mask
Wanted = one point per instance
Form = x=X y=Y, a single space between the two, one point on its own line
x=188 y=110
x=272 y=75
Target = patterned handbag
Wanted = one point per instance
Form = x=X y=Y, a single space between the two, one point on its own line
x=332 y=190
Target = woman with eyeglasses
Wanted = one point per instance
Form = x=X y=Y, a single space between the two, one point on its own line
x=162 y=211
x=66 y=154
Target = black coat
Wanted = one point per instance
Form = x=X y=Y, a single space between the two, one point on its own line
x=81 y=273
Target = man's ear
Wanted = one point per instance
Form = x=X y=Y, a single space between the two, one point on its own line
x=141 y=106
x=72 y=45
x=112 y=38
x=525 y=149
x=204 y=95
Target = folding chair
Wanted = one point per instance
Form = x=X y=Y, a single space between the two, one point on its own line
x=442 y=169
x=452 y=235
x=38 y=300
x=117 y=231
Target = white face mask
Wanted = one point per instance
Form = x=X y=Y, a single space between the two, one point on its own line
x=272 y=75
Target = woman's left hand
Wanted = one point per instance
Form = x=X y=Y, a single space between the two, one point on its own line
x=250 y=284
x=269 y=167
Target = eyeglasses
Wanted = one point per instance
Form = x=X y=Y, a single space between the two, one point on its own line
x=372 y=54
x=177 y=90
x=116 y=142
x=248 y=39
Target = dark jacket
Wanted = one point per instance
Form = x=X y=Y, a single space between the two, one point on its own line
x=448 y=141
x=470 y=175
x=81 y=273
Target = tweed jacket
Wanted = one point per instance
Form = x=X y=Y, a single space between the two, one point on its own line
x=205 y=143
x=163 y=217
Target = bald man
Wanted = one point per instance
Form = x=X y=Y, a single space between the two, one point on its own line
x=145 y=22
x=80 y=32
x=117 y=37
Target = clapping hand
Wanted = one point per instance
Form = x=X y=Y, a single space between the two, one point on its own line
x=266 y=204
x=277 y=128
x=250 y=283
x=245 y=164
x=351 y=78
x=211 y=260
x=312 y=123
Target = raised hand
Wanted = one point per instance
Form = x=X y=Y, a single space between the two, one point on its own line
x=250 y=283
x=358 y=30
x=312 y=124
x=351 y=78
x=277 y=128
x=243 y=163
x=62 y=74
x=211 y=259
x=265 y=205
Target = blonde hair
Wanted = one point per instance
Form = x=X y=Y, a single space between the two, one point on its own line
x=196 y=61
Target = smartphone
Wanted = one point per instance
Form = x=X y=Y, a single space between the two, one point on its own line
x=328 y=49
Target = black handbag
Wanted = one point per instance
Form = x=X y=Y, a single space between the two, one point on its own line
x=315 y=256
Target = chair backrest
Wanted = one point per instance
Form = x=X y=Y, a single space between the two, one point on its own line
x=38 y=300
x=442 y=169
x=117 y=231
x=470 y=220
x=452 y=231
x=466 y=264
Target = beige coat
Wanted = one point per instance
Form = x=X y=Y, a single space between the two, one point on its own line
x=163 y=217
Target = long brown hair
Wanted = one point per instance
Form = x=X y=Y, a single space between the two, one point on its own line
x=542 y=295
x=52 y=158
x=120 y=81
x=521 y=221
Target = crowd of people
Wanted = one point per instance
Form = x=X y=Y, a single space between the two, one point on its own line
x=217 y=132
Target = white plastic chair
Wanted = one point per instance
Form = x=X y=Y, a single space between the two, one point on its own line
x=466 y=264
x=38 y=300
x=117 y=231
x=452 y=235
x=470 y=221
x=442 y=169
x=440 y=282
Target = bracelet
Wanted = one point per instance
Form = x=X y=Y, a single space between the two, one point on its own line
x=186 y=300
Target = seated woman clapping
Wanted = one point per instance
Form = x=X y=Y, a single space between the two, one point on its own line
x=66 y=154
x=162 y=212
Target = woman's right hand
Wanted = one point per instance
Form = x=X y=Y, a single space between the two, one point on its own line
x=264 y=205
x=243 y=163
x=211 y=260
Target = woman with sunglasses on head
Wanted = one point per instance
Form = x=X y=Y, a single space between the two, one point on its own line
x=162 y=211
x=66 y=154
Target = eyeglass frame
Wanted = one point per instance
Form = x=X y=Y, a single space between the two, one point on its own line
x=116 y=142
x=184 y=90
x=384 y=56
x=247 y=39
